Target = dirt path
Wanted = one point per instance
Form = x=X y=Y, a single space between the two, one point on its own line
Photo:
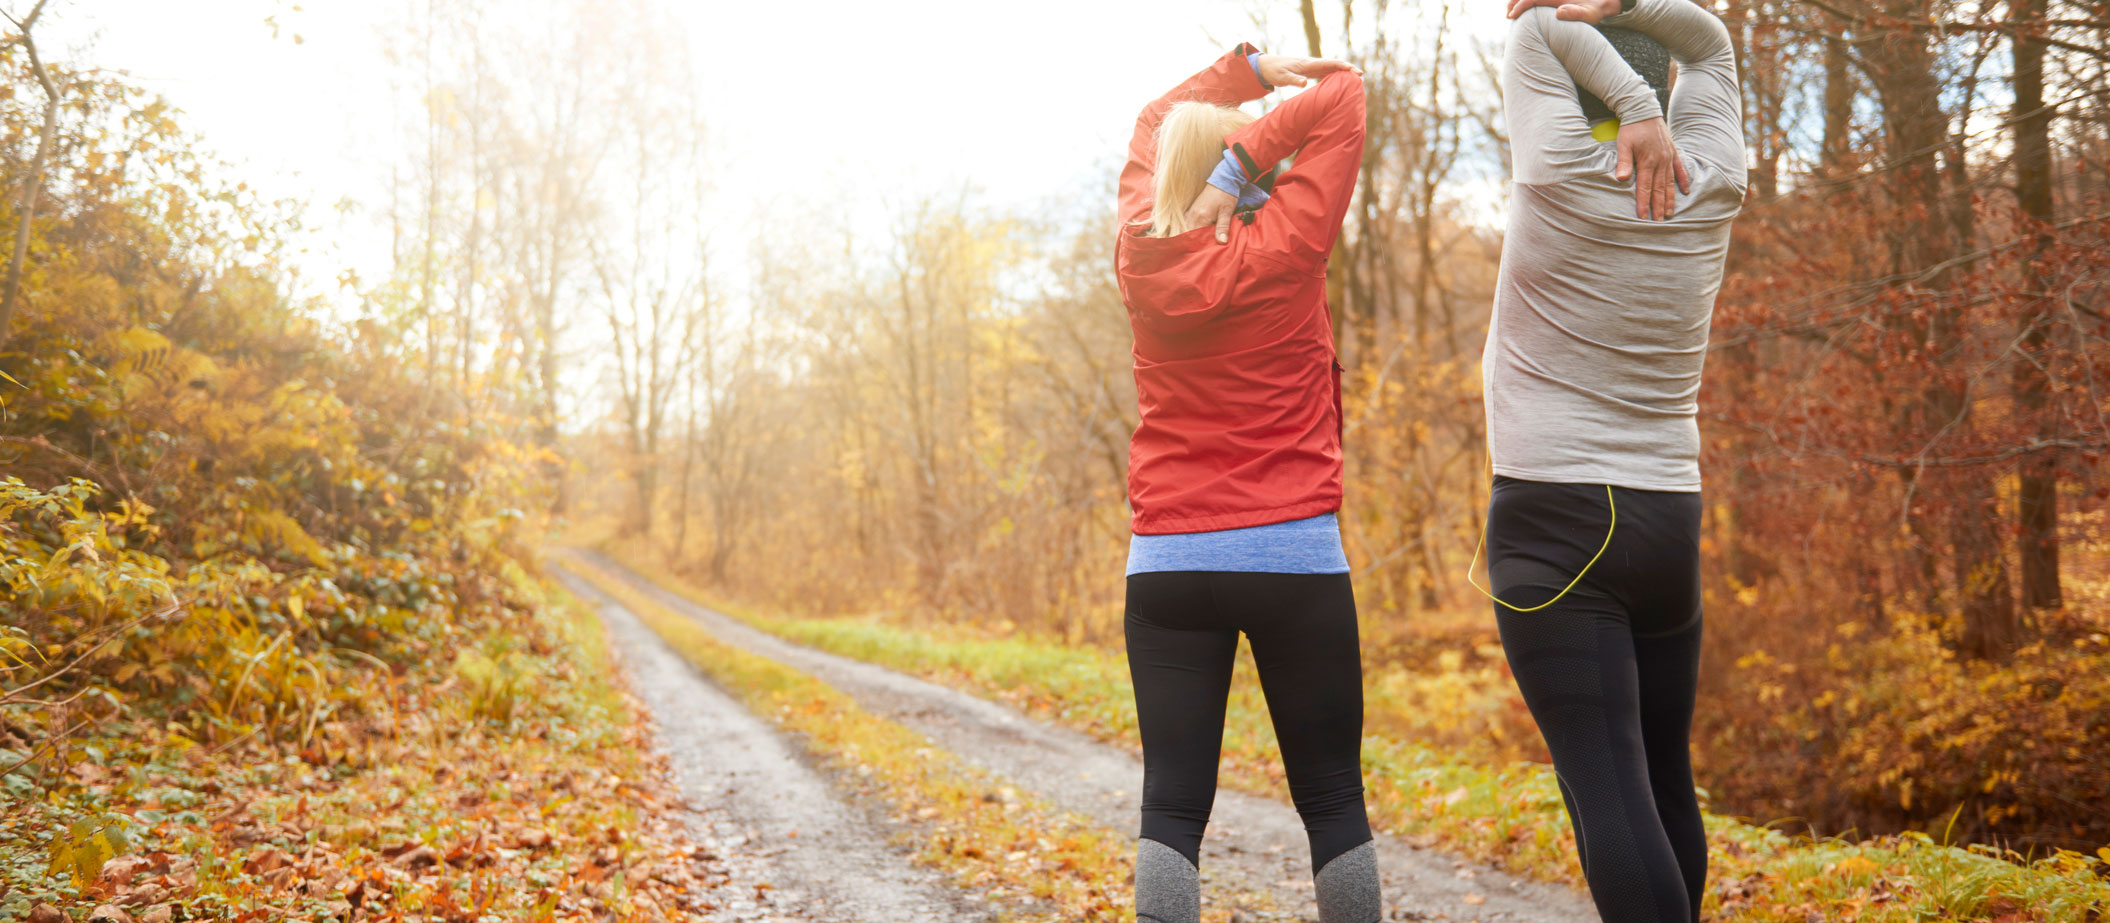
x=1254 y=841
x=829 y=859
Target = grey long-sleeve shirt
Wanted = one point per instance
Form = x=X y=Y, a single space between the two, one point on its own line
x=1594 y=351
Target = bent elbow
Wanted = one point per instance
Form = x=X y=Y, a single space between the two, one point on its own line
x=1347 y=83
x=1147 y=119
x=1718 y=45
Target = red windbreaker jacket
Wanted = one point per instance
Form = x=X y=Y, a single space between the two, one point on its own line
x=1236 y=378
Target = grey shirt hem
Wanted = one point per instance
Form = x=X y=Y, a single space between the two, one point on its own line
x=1596 y=477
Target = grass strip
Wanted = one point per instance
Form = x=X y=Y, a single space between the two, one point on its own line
x=1508 y=815
x=1031 y=860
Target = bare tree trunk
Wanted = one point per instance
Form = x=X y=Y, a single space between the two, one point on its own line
x=426 y=307
x=1758 y=63
x=1991 y=629
x=32 y=184
x=688 y=474
x=922 y=437
x=1838 y=108
x=2038 y=495
x=472 y=258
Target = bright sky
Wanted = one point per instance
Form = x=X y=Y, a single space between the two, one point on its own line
x=309 y=121
x=858 y=103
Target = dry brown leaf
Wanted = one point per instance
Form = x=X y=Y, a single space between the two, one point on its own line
x=110 y=913
x=419 y=857
x=139 y=895
x=267 y=860
x=120 y=871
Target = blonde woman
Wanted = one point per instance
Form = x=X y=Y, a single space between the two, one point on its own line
x=1235 y=466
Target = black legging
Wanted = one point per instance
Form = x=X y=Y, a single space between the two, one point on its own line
x=1183 y=631
x=1609 y=672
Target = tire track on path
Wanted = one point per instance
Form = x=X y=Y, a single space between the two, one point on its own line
x=831 y=859
x=1252 y=841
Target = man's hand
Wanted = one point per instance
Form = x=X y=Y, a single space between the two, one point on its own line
x=1213 y=206
x=1286 y=70
x=1647 y=156
x=1589 y=11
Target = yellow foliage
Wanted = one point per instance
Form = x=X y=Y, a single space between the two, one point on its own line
x=272 y=531
x=82 y=850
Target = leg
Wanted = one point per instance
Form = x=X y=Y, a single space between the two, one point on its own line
x=1667 y=659
x=1303 y=631
x=1669 y=668
x=1576 y=670
x=1582 y=852
x=1181 y=668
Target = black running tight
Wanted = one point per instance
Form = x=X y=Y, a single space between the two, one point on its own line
x=1609 y=672
x=1183 y=629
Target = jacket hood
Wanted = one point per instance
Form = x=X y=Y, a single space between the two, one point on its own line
x=1171 y=284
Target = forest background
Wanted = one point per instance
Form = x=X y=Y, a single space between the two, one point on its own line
x=914 y=410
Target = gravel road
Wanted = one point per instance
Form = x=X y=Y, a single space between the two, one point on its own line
x=829 y=859
x=1252 y=841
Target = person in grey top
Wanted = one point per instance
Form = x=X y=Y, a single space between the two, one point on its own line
x=1616 y=241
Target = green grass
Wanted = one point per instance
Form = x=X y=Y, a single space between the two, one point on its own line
x=1509 y=815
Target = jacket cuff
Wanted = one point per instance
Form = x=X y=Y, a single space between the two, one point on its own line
x=1249 y=52
x=1253 y=61
x=1228 y=177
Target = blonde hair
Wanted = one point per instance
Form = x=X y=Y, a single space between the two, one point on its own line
x=1190 y=141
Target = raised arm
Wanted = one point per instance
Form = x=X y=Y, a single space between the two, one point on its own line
x=1324 y=127
x=1706 y=110
x=1546 y=60
x=1228 y=82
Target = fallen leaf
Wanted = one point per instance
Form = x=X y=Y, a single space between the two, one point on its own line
x=267 y=860
x=146 y=892
x=418 y=858
x=120 y=871
x=110 y=913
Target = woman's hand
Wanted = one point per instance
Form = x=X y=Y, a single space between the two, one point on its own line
x=1650 y=159
x=1287 y=70
x=1213 y=206
x=1589 y=11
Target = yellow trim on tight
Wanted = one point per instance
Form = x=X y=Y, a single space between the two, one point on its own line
x=1571 y=584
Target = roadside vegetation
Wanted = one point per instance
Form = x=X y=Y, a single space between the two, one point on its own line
x=511 y=779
